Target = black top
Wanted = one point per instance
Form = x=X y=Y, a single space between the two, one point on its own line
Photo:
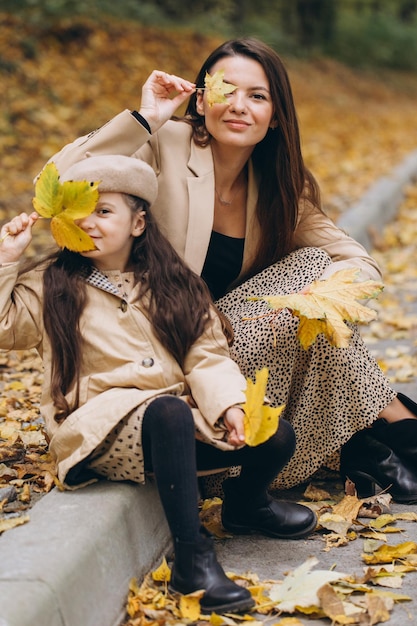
x=223 y=263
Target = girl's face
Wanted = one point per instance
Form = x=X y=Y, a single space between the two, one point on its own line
x=112 y=226
x=244 y=120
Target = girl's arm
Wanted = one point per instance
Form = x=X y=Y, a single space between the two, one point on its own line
x=215 y=380
x=15 y=236
x=21 y=319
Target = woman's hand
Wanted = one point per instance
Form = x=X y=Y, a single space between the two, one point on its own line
x=15 y=236
x=162 y=94
x=233 y=420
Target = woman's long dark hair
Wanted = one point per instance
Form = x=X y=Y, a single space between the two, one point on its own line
x=177 y=303
x=282 y=177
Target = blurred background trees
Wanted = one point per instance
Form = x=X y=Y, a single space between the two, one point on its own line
x=357 y=32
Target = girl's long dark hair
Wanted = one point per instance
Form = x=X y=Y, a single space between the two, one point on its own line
x=177 y=303
x=282 y=177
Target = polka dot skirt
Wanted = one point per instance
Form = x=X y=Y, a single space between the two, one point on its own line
x=330 y=393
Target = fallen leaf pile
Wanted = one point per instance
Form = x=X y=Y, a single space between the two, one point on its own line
x=396 y=252
x=26 y=469
x=341 y=597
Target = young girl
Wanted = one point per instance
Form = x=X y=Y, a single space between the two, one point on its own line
x=136 y=368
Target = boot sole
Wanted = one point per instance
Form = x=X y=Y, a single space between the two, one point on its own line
x=237 y=529
x=231 y=607
x=368 y=487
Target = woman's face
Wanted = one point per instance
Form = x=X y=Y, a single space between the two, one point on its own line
x=244 y=120
x=112 y=226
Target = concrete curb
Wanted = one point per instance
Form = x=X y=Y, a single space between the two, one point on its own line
x=379 y=204
x=71 y=565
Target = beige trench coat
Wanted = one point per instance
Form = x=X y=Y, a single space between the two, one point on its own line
x=185 y=204
x=125 y=365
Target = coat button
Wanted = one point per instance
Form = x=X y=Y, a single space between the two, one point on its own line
x=148 y=362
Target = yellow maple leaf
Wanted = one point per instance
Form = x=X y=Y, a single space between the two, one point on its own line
x=260 y=420
x=190 y=605
x=216 y=88
x=327 y=305
x=64 y=203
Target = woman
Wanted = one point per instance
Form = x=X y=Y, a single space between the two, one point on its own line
x=136 y=363
x=238 y=204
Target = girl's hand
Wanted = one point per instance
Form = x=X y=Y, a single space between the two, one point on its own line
x=233 y=420
x=162 y=94
x=15 y=236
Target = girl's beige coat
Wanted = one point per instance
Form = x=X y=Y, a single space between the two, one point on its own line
x=116 y=376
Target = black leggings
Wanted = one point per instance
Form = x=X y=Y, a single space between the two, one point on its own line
x=173 y=454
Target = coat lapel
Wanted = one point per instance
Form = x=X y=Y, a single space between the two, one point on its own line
x=201 y=210
x=201 y=207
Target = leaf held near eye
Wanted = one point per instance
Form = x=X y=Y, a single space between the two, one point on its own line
x=216 y=88
x=63 y=203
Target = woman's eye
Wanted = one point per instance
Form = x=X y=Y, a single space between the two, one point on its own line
x=102 y=211
x=258 y=96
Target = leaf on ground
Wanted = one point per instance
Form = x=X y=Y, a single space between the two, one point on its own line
x=190 y=605
x=260 y=419
x=333 y=606
x=384 y=575
x=326 y=305
x=388 y=554
x=162 y=573
x=299 y=588
x=315 y=494
x=12 y=522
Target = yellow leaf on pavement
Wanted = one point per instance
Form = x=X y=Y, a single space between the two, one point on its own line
x=190 y=605
x=388 y=554
x=163 y=572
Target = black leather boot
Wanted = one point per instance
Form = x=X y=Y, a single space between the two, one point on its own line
x=400 y=436
x=370 y=463
x=196 y=567
x=282 y=520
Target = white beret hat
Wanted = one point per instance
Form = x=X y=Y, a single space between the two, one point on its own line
x=116 y=173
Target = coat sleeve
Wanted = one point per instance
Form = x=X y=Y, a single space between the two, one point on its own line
x=21 y=325
x=215 y=380
x=315 y=229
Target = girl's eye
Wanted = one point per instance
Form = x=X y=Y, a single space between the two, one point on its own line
x=258 y=96
x=102 y=211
